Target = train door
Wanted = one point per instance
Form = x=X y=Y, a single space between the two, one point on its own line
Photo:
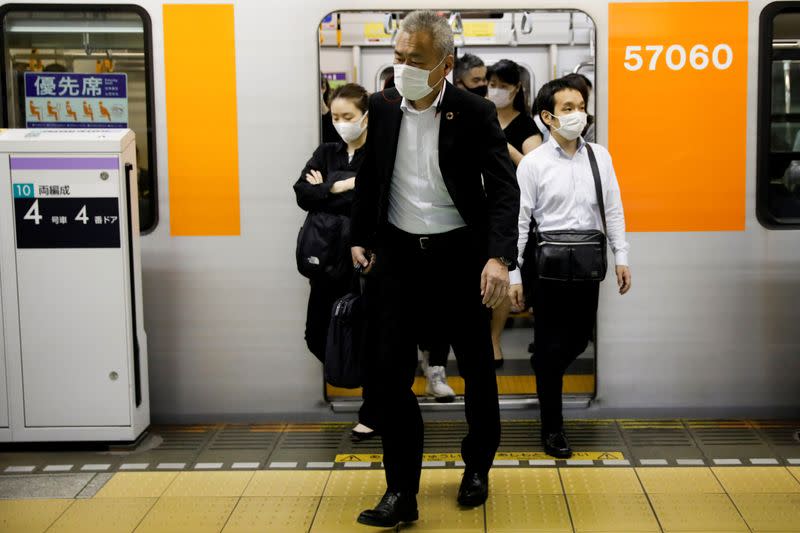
x=357 y=47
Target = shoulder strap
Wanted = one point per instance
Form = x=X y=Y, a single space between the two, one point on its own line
x=598 y=187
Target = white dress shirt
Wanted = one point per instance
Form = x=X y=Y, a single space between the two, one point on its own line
x=558 y=191
x=419 y=202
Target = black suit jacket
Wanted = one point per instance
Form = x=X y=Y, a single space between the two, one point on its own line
x=474 y=161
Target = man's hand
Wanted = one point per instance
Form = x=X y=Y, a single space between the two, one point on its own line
x=517 y=296
x=624 y=279
x=359 y=255
x=314 y=177
x=494 y=283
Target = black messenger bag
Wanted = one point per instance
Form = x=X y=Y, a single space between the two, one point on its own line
x=347 y=338
x=569 y=255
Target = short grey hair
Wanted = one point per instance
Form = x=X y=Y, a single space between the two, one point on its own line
x=437 y=27
x=466 y=63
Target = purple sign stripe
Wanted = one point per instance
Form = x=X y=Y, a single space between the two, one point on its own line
x=64 y=163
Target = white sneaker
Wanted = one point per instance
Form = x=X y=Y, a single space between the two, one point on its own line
x=437 y=384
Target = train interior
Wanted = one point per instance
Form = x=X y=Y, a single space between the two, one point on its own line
x=651 y=474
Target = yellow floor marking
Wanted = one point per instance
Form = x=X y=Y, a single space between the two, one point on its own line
x=137 y=485
x=611 y=513
x=287 y=483
x=452 y=457
x=338 y=514
x=769 y=512
x=600 y=480
x=187 y=515
x=679 y=480
x=795 y=471
x=356 y=483
x=436 y=482
x=106 y=515
x=218 y=484
x=284 y=515
x=697 y=512
x=527 y=513
x=524 y=481
x=755 y=479
x=441 y=513
x=26 y=516
x=511 y=385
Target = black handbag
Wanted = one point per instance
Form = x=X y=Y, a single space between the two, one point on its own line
x=347 y=338
x=569 y=255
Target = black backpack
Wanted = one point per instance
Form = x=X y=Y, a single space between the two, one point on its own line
x=323 y=250
x=347 y=339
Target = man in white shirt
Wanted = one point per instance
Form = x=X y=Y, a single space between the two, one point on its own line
x=557 y=190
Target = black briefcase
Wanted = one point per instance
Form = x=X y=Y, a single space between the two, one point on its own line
x=347 y=338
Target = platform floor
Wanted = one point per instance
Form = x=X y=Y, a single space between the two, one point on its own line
x=628 y=476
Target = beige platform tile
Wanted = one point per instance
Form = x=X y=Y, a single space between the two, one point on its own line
x=356 y=483
x=30 y=516
x=769 y=512
x=679 y=480
x=611 y=513
x=440 y=482
x=273 y=515
x=795 y=470
x=187 y=515
x=600 y=480
x=337 y=514
x=527 y=513
x=104 y=515
x=216 y=484
x=524 y=481
x=440 y=513
x=137 y=485
x=296 y=483
x=697 y=512
x=757 y=479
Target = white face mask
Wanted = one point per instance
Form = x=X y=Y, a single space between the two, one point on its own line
x=412 y=82
x=350 y=131
x=571 y=125
x=500 y=97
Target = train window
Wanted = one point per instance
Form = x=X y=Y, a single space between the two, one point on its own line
x=778 y=191
x=86 y=66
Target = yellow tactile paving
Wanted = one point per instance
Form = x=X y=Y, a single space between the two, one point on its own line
x=278 y=515
x=355 y=483
x=756 y=479
x=769 y=512
x=30 y=516
x=105 y=515
x=600 y=480
x=436 y=482
x=201 y=484
x=440 y=513
x=611 y=513
x=697 y=512
x=527 y=513
x=795 y=471
x=284 y=483
x=679 y=480
x=338 y=514
x=187 y=515
x=524 y=481
x=137 y=485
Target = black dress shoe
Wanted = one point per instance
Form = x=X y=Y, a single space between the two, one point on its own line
x=362 y=435
x=498 y=363
x=557 y=445
x=394 y=507
x=474 y=489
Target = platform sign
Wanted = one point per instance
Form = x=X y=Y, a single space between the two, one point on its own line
x=678 y=113
x=66 y=202
x=335 y=79
x=72 y=100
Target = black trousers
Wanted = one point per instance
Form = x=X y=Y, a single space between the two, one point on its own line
x=318 y=316
x=564 y=315
x=417 y=287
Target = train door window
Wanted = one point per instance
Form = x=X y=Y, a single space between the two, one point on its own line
x=778 y=192
x=68 y=66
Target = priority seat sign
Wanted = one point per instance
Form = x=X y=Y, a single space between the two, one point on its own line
x=66 y=202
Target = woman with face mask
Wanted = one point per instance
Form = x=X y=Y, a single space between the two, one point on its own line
x=505 y=91
x=326 y=184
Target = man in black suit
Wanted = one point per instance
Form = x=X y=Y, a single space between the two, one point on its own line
x=435 y=220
